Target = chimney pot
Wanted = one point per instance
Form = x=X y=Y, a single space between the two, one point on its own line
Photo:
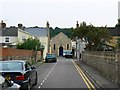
x=2 y=24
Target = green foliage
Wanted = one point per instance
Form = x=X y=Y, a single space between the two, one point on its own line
x=40 y=59
x=118 y=42
x=94 y=36
x=54 y=32
x=30 y=44
x=118 y=24
x=33 y=61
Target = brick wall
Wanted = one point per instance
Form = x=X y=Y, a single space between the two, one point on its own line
x=12 y=53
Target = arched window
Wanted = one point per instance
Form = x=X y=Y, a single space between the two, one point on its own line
x=54 y=47
x=67 y=46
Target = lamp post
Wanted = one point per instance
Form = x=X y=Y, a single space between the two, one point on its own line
x=42 y=48
x=79 y=40
x=79 y=52
x=36 y=54
x=76 y=46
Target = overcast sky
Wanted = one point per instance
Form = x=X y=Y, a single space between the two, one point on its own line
x=59 y=13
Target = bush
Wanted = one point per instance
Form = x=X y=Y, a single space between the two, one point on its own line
x=40 y=59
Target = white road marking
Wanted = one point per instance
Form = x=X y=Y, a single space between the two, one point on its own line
x=41 y=84
x=45 y=79
x=39 y=87
x=47 y=75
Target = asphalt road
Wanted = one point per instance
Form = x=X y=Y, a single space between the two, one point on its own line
x=63 y=74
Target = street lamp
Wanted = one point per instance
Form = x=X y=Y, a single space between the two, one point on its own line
x=79 y=52
x=79 y=40
x=42 y=48
x=76 y=46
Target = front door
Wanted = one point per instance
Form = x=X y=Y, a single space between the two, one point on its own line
x=61 y=51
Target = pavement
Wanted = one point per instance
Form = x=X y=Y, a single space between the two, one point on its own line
x=37 y=64
x=97 y=77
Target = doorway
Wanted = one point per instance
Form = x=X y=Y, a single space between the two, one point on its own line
x=60 y=51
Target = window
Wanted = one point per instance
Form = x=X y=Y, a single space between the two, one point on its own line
x=27 y=66
x=67 y=46
x=8 y=66
x=54 y=47
x=6 y=39
x=23 y=39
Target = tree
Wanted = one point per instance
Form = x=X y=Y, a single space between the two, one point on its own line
x=118 y=24
x=30 y=44
x=118 y=43
x=94 y=36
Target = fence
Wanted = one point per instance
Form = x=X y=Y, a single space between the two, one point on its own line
x=108 y=63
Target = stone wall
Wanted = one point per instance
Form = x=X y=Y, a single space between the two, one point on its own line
x=108 y=63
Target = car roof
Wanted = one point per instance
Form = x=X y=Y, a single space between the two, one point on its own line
x=50 y=54
x=22 y=61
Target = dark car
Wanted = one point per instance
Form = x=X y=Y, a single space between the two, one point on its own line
x=8 y=84
x=50 y=58
x=19 y=71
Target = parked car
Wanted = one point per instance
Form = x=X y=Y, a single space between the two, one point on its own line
x=19 y=71
x=8 y=84
x=50 y=58
x=68 y=54
x=64 y=52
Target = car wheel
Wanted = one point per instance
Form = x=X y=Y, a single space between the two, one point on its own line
x=28 y=86
x=36 y=80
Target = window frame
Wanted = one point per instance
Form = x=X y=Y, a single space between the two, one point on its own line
x=7 y=39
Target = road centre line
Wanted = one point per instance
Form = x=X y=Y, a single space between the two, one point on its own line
x=47 y=76
x=84 y=77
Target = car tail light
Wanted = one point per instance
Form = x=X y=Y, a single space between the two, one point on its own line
x=20 y=77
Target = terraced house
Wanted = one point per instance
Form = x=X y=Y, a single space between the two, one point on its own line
x=42 y=33
x=11 y=36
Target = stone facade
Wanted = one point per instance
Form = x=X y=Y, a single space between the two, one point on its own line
x=59 y=43
x=107 y=63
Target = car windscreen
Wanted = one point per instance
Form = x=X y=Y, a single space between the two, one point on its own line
x=11 y=66
x=50 y=55
x=68 y=52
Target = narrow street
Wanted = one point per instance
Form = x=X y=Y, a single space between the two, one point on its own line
x=63 y=74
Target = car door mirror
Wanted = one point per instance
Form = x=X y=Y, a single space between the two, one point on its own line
x=33 y=67
x=11 y=83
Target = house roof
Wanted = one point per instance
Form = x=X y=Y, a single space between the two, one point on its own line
x=64 y=36
x=38 y=32
x=12 y=31
x=114 y=31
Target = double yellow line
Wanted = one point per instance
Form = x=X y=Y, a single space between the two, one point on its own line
x=84 y=77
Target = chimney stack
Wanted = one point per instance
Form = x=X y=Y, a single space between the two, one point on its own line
x=47 y=24
x=77 y=25
x=20 y=26
x=2 y=25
